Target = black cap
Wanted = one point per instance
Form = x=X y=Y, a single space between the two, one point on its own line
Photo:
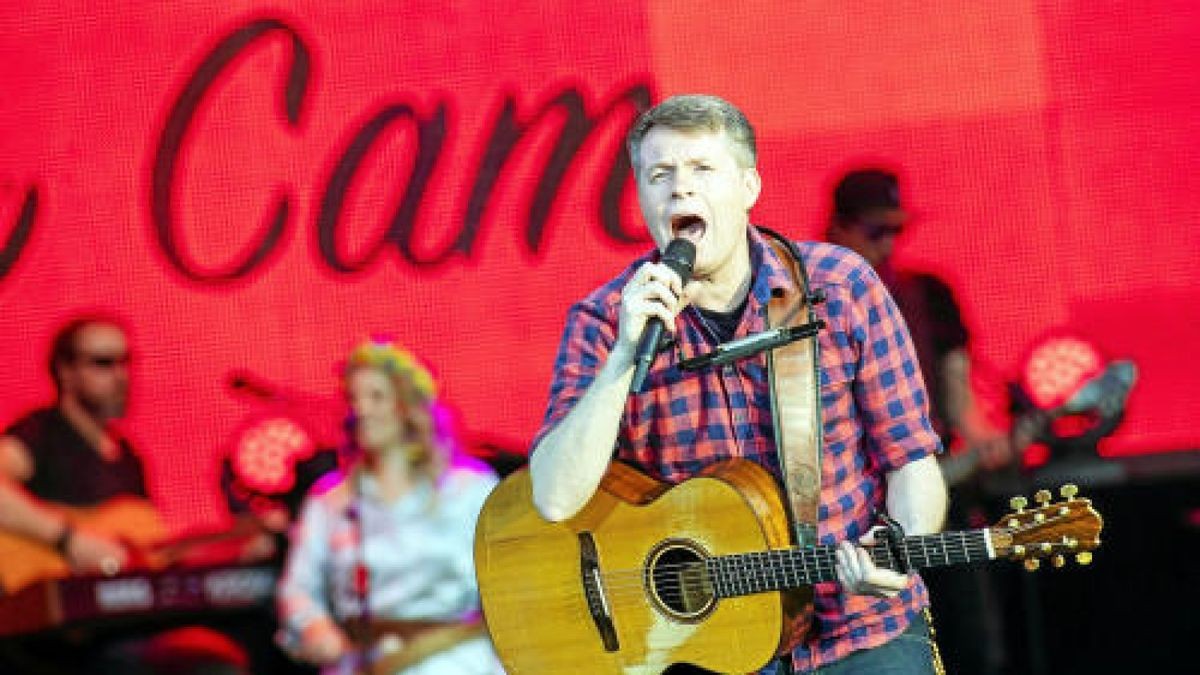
x=865 y=190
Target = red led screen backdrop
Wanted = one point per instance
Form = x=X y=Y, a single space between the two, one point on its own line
x=256 y=186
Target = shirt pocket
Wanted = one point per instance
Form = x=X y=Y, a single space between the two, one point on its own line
x=838 y=362
x=837 y=400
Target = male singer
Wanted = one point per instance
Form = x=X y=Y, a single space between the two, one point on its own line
x=694 y=159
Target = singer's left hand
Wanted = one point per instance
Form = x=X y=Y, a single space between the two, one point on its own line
x=858 y=574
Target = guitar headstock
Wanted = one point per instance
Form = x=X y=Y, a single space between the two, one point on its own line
x=1050 y=530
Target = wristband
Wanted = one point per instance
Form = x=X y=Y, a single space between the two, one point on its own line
x=63 y=540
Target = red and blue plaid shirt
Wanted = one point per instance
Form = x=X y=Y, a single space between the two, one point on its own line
x=873 y=402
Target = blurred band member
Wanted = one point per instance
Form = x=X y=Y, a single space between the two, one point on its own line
x=379 y=576
x=60 y=460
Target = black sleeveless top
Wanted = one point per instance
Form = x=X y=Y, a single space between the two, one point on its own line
x=67 y=470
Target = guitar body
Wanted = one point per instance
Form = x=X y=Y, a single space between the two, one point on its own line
x=24 y=561
x=648 y=575
x=533 y=575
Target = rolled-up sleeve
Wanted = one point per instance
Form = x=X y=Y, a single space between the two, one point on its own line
x=586 y=342
x=888 y=389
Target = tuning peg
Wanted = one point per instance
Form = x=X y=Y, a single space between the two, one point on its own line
x=1047 y=547
x=1018 y=503
x=1032 y=564
x=1068 y=491
x=1070 y=543
x=1019 y=551
x=1058 y=560
x=1083 y=557
x=1042 y=497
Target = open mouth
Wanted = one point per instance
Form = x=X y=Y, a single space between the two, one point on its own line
x=688 y=226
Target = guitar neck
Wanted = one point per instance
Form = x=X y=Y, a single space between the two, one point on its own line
x=763 y=571
x=959 y=467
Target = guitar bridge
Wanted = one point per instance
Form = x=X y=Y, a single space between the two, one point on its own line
x=593 y=590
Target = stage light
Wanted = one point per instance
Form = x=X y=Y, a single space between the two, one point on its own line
x=267 y=451
x=273 y=458
x=1076 y=392
x=1057 y=367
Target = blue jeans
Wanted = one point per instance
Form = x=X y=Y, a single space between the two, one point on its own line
x=910 y=653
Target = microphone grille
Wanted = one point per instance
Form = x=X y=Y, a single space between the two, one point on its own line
x=680 y=256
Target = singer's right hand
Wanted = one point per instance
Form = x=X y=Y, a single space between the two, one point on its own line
x=655 y=290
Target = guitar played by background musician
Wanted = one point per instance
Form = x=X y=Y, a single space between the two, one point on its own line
x=694 y=159
x=59 y=461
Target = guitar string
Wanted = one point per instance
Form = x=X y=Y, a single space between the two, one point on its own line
x=757 y=581
x=970 y=542
x=791 y=561
x=729 y=588
x=749 y=576
x=752 y=568
x=821 y=558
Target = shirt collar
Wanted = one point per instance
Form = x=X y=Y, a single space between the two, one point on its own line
x=771 y=275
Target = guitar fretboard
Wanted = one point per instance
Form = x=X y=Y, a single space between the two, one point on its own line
x=762 y=571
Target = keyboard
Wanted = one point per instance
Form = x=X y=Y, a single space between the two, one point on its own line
x=72 y=601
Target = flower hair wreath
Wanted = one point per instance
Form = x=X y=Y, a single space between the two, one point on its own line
x=395 y=361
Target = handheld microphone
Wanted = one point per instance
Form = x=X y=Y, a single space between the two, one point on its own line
x=679 y=256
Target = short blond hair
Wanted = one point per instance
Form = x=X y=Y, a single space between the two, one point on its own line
x=697 y=112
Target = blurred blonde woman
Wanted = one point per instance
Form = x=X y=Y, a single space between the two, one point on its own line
x=379 y=576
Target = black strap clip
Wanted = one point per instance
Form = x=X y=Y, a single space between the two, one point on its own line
x=893 y=537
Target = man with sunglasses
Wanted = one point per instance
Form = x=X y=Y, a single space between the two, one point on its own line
x=72 y=455
x=868 y=217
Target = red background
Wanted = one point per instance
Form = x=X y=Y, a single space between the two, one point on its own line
x=1048 y=150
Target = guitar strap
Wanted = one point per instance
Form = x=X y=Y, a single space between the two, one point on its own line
x=419 y=641
x=793 y=373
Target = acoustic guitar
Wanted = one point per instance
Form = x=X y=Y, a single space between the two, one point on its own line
x=135 y=523
x=131 y=520
x=1105 y=394
x=648 y=575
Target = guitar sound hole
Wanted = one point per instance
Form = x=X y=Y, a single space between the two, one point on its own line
x=678 y=581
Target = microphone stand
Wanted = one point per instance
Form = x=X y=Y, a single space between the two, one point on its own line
x=362 y=582
x=735 y=350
